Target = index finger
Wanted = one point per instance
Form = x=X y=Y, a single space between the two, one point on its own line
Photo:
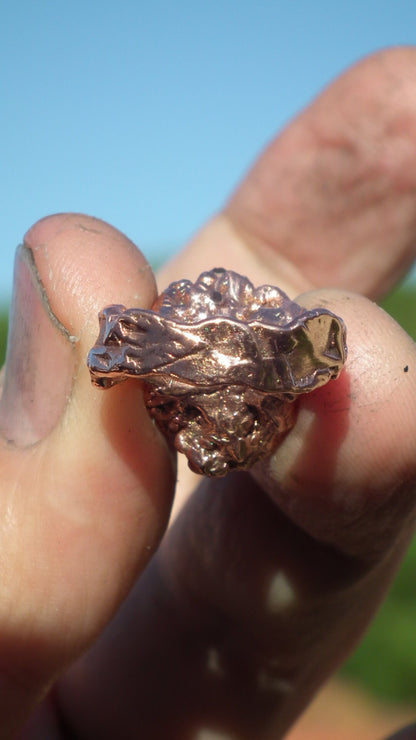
x=332 y=199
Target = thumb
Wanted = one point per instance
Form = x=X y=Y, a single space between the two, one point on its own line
x=87 y=479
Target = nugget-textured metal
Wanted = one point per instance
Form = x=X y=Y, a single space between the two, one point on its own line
x=222 y=363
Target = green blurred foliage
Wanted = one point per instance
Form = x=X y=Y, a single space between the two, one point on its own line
x=401 y=304
x=385 y=662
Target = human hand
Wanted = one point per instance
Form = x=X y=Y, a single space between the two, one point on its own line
x=264 y=582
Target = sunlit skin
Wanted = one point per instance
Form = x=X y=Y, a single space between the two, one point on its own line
x=264 y=581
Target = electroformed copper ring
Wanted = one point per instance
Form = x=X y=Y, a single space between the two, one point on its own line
x=222 y=363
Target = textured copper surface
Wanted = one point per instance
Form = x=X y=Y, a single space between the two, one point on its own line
x=222 y=363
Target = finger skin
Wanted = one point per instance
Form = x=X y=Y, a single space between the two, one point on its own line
x=331 y=202
x=349 y=462
x=244 y=617
x=244 y=612
x=249 y=606
x=335 y=192
x=84 y=506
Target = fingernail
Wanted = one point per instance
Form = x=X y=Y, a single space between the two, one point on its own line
x=40 y=360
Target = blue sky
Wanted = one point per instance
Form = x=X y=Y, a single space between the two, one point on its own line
x=146 y=114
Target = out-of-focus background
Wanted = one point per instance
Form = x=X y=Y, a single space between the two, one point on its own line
x=146 y=115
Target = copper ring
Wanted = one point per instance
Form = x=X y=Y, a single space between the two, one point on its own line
x=222 y=363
